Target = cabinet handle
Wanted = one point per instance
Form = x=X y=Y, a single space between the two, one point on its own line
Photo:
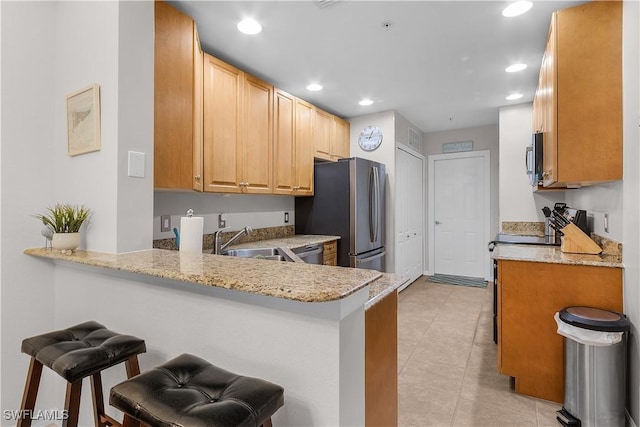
x=296 y=187
x=197 y=177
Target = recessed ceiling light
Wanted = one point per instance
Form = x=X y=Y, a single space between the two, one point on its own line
x=514 y=96
x=515 y=68
x=249 y=26
x=365 y=102
x=314 y=87
x=517 y=8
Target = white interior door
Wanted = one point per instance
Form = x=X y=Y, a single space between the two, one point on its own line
x=409 y=214
x=460 y=213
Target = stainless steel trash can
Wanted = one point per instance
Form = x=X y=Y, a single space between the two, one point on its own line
x=595 y=366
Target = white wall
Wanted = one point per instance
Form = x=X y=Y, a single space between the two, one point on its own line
x=28 y=183
x=621 y=200
x=50 y=49
x=257 y=211
x=386 y=154
x=517 y=201
x=484 y=138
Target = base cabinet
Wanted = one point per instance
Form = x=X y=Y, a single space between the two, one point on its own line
x=529 y=294
x=381 y=363
x=330 y=253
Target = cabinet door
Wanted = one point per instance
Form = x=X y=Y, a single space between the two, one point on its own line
x=529 y=294
x=256 y=150
x=198 y=63
x=340 y=145
x=222 y=97
x=173 y=98
x=549 y=108
x=323 y=134
x=303 y=165
x=283 y=142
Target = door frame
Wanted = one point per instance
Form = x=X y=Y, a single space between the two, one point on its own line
x=414 y=153
x=486 y=155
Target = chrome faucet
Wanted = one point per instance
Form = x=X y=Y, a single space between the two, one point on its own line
x=218 y=247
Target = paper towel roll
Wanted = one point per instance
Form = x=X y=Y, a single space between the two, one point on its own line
x=191 y=229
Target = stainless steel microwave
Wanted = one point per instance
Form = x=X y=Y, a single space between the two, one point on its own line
x=534 y=159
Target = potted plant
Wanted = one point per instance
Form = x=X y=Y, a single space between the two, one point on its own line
x=64 y=222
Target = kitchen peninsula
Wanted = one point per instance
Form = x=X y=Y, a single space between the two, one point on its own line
x=298 y=325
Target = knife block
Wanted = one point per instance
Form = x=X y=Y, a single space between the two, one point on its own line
x=576 y=242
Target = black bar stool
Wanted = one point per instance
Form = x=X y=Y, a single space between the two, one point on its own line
x=189 y=391
x=75 y=353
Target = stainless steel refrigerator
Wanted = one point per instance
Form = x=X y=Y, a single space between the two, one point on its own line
x=349 y=202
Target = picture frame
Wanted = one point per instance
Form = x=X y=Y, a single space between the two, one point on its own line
x=83 y=121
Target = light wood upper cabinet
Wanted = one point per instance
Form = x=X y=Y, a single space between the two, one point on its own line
x=283 y=142
x=237 y=130
x=304 y=148
x=331 y=136
x=198 y=57
x=221 y=124
x=322 y=136
x=293 y=146
x=175 y=108
x=257 y=136
x=579 y=99
x=340 y=141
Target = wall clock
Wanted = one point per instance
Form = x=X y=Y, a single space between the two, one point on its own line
x=370 y=138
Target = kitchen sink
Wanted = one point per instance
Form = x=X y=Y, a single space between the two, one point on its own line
x=275 y=254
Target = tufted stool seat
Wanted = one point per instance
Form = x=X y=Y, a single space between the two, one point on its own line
x=189 y=391
x=75 y=353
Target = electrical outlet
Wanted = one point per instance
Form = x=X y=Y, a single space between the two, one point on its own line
x=222 y=221
x=606 y=223
x=165 y=223
x=286 y=217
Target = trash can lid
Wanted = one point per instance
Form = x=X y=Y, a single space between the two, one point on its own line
x=595 y=319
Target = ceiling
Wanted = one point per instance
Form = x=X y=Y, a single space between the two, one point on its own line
x=440 y=64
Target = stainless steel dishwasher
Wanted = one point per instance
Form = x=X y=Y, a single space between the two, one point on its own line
x=311 y=254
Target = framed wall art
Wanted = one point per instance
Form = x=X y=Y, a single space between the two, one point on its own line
x=83 y=121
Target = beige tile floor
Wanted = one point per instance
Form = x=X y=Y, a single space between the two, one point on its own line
x=447 y=372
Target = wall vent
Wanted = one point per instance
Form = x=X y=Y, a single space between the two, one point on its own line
x=414 y=140
x=325 y=3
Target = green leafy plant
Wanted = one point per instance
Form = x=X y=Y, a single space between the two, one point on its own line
x=64 y=218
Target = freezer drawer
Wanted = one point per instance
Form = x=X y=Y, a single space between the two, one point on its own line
x=372 y=260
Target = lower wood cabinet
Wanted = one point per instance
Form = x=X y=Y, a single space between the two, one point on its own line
x=529 y=294
x=330 y=253
x=381 y=363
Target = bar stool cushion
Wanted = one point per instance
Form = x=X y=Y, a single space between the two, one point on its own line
x=82 y=350
x=189 y=391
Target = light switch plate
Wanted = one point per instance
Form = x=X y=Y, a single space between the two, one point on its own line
x=136 y=164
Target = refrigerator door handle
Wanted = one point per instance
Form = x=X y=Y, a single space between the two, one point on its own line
x=371 y=205
x=371 y=258
x=374 y=204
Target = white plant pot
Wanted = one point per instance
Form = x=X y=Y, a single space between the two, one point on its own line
x=65 y=241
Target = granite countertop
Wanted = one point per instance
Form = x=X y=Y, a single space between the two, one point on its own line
x=384 y=286
x=290 y=242
x=553 y=255
x=289 y=280
x=378 y=289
